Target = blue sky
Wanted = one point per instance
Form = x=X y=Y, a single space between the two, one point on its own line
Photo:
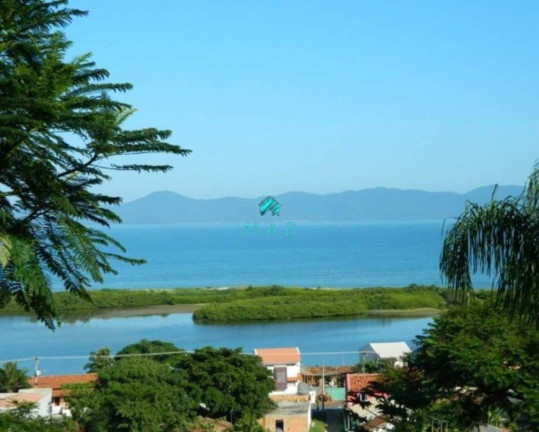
x=275 y=96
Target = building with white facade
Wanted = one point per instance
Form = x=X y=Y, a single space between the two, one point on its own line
x=41 y=398
x=391 y=351
x=285 y=364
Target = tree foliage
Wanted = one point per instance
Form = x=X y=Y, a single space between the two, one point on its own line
x=166 y=392
x=20 y=419
x=12 y=379
x=231 y=384
x=61 y=134
x=136 y=394
x=502 y=240
x=470 y=364
x=99 y=359
x=247 y=423
x=145 y=346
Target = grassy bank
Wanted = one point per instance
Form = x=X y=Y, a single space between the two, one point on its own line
x=247 y=304
x=107 y=299
x=323 y=303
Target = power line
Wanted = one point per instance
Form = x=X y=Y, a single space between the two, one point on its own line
x=87 y=356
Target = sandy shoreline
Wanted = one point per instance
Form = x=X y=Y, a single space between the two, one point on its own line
x=144 y=311
x=419 y=312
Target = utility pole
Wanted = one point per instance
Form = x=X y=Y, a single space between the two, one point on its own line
x=36 y=371
x=362 y=362
x=323 y=387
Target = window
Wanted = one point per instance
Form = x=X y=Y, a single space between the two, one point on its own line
x=363 y=397
x=280 y=378
x=279 y=425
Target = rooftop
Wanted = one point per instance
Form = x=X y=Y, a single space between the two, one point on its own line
x=286 y=408
x=374 y=423
x=358 y=382
x=387 y=350
x=327 y=370
x=55 y=382
x=278 y=356
x=8 y=400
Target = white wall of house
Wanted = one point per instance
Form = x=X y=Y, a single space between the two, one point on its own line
x=292 y=372
x=42 y=406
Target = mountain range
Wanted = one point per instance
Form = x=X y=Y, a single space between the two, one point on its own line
x=377 y=204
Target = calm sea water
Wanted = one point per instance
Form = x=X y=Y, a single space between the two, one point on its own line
x=351 y=255
x=330 y=341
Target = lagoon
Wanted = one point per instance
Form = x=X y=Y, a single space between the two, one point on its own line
x=334 y=342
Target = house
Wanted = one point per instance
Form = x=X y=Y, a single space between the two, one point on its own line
x=292 y=396
x=389 y=351
x=58 y=383
x=332 y=375
x=378 y=424
x=285 y=364
x=40 y=397
x=361 y=409
x=355 y=388
x=288 y=417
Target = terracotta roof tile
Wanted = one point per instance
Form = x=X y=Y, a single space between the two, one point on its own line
x=57 y=381
x=328 y=370
x=358 y=382
x=374 y=423
x=20 y=397
x=273 y=356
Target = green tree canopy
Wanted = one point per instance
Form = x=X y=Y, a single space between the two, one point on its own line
x=137 y=394
x=501 y=239
x=145 y=346
x=231 y=384
x=470 y=364
x=12 y=378
x=99 y=359
x=21 y=419
x=61 y=134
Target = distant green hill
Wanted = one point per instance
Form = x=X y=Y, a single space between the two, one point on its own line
x=364 y=205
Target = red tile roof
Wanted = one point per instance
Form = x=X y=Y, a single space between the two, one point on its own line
x=358 y=382
x=374 y=423
x=328 y=370
x=55 y=382
x=20 y=397
x=278 y=356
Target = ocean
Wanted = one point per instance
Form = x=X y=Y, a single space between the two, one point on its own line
x=317 y=255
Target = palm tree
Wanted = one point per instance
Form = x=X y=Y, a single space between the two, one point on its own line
x=12 y=379
x=99 y=359
x=500 y=239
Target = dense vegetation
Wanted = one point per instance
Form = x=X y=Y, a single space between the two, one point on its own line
x=296 y=303
x=21 y=419
x=12 y=379
x=62 y=132
x=473 y=366
x=501 y=239
x=253 y=303
x=179 y=388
